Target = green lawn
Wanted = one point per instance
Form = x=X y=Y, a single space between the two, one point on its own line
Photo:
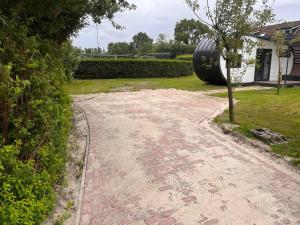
x=191 y=83
x=281 y=113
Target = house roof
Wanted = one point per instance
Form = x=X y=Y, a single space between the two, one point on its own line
x=267 y=32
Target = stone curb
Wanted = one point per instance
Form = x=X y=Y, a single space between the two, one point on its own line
x=86 y=153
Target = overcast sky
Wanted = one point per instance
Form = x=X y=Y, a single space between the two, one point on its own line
x=159 y=16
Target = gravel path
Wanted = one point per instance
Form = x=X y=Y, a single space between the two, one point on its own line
x=155 y=159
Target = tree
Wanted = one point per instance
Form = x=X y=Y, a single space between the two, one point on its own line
x=190 y=31
x=230 y=22
x=141 y=43
x=93 y=51
x=61 y=19
x=282 y=40
x=161 y=38
x=173 y=47
x=119 y=48
x=162 y=45
x=279 y=41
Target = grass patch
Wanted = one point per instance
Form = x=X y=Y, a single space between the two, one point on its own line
x=190 y=83
x=280 y=113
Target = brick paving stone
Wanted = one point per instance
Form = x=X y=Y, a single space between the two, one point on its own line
x=152 y=212
x=85 y=219
x=165 y=188
x=168 y=213
x=211 y=222
x=274 y=216
x=285 y=221
x=296 y=214
x=152 y=219
x=189 y=199
x=168 y=221
x=158 y=180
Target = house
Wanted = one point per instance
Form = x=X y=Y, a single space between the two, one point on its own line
x=210 y=66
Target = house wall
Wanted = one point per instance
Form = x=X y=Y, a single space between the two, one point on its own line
x=246 y=73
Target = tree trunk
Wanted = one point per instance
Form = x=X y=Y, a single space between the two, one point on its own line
x=230 y=93
x=279 y=78
x=5 y=121
x=4 y=107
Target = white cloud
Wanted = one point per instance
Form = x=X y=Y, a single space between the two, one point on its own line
x=159 y=16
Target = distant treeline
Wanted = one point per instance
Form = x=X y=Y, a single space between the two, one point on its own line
x=187 y=34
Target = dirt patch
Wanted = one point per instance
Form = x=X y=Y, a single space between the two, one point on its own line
x=134 y=87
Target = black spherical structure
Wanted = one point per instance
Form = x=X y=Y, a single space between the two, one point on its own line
x=206 y=62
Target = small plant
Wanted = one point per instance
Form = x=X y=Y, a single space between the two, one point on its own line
x=70 y=205
x=79 y=167
x=282 y=41
x=80 y=164
x=62 y=219
x=296 y=162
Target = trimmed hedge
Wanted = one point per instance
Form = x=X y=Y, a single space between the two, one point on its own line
x=132 y=68
x=185 y=57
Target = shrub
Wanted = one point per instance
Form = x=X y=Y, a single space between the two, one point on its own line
x=132 y=68
x=71 y=59
x=158 y=55
x=185 y=57
x=34 y=123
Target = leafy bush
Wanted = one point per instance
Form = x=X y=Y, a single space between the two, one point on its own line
x=185 y=57
x=71 y=59
x=132 y=68
x=26 y=195
x=34 y=123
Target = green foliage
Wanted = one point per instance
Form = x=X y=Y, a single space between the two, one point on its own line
x=34 y=122
x=190 y=31
x=92 y=51
x=58 y=20
x=282 y=42
x=119 y=48
x=61 y=220
x=71 y=58
x=132 y=68
x=141 y=43
x=173 y=47
x=185 y=57
x=26 y=195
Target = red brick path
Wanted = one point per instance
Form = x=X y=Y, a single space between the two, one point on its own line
x=155 y=160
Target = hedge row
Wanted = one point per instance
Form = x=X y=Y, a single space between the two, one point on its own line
x=132 y=68
x=185 y=57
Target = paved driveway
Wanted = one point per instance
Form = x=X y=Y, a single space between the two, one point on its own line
x=156 y=160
